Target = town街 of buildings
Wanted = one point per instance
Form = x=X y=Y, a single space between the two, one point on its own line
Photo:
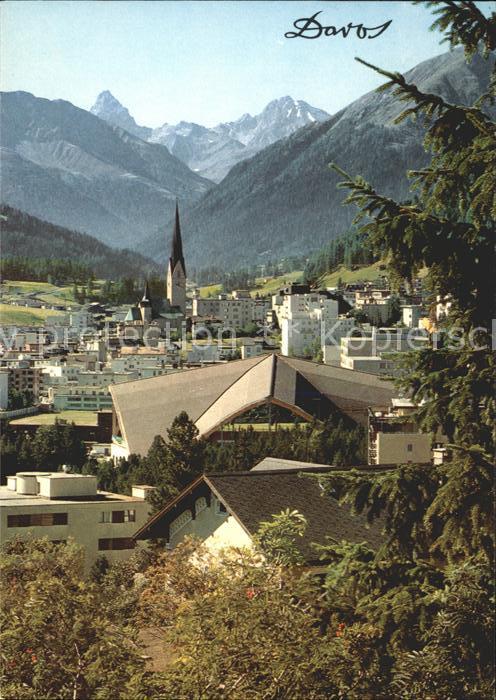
x=123 y=374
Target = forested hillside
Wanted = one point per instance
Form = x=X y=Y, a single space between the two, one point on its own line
x=34 y=249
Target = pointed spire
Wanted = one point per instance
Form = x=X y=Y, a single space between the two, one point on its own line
x=146 y=300
x=146 y=293
x=177 y=244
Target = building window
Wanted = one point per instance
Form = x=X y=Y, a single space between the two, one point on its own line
x=37 y=519
x=409 y=447
x=220 y=508
x=115 y=543
x=118 y=516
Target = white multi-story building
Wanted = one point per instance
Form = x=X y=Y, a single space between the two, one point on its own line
x=236 y=311
x=369 y=352
x=79 y=398
x=75 y=322
x=98 y=348
x=394 y=438
x=79 y=321
x=145 y=365
x=335 y=329
x=72 y=386
x=308 y=322
x=60 y=506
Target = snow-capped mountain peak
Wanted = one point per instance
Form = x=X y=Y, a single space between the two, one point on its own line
x=213 y=151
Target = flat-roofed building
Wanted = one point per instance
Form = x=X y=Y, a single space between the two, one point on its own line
x=374 y=352
x=237 y=310
x=394 y=437
x=59 y=506
x=79 y=398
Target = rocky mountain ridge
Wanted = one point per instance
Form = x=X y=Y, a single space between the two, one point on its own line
x=212 y=152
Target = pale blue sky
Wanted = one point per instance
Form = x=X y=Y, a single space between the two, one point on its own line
x=207 y=61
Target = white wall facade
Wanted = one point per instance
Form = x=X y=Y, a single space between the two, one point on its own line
x=235 y=312
x=95 y=522
x=214 y=528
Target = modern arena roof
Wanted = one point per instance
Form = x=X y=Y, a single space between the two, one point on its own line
x=217 y=394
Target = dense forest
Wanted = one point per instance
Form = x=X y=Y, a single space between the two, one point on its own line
x=36 y=250
x=171 y=463
x=350 y=250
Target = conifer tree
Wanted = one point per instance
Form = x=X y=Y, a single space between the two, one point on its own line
x=435 y=633
x=449 y=230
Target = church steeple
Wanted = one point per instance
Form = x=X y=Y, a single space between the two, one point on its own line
x=177 y=244
x=145 y=305
x=176 y=272
x=146 y=293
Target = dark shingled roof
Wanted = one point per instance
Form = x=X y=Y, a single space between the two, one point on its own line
x=254 y=497
x=215 y=395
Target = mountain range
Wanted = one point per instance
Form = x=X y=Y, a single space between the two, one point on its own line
x=118 y=183
x=284 y=201
x=65 y=165
x=212 y=152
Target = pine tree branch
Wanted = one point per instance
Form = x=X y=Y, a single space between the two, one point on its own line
x=370 y=200
x=463 y=23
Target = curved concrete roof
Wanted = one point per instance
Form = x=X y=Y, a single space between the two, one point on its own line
x=214 y=395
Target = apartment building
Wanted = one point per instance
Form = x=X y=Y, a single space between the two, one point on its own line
x=393 y=436
x=79 y=398
x=237 y=310
x=24 y=375
x=372 y=351
x=306 y=320
x=60 y=506
x=143 y=365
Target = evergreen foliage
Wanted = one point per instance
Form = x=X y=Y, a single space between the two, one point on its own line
x=33 y=249
x=172 y=463
x=49 y=448
x=350 y=250
x=435 y=515
x=245 y=276
x=277 y=539
x=19 y=399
